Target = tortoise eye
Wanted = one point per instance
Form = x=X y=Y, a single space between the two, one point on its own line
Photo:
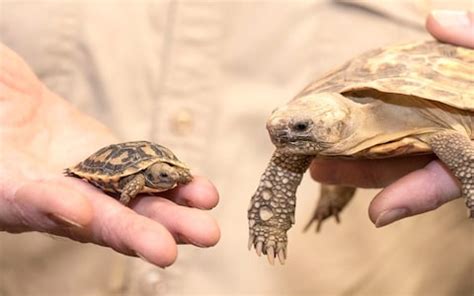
x=300 y=125
x=164 y=175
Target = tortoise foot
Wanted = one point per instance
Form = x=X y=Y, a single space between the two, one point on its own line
x=269 y=241
x=333 y=200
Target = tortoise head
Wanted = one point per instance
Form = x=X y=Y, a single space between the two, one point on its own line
x=162 y=175
x=310 y=124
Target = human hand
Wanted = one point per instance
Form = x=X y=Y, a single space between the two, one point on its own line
x=455 y=27
x=416 y=184
x=40 y=135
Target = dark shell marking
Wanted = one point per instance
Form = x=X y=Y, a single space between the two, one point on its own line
x=429 y=70
x=414 y=74
x=119 y=160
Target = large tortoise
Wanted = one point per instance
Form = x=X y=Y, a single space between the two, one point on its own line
x=407 y=99
x=131 y=168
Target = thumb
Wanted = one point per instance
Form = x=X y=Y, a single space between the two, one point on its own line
x=452 y=26
x=418 y=192
x=45 y=206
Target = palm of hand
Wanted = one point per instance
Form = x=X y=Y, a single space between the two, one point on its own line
x=41 y=134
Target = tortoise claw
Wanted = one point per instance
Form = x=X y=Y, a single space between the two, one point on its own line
x=271 y=255
x=269 y=247
x=320 y=215
x=258 y=248
x=282 y=256
x=251 y=240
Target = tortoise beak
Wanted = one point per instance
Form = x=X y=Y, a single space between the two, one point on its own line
x=285 y=131
x=278 y=130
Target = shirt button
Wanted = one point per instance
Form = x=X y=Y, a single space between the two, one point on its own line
x=182 y=122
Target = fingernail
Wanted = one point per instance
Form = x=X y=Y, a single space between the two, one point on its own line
x=182 y=239
x=197 y=244
x=148 y=261
x=142 y=257
x=452 y=18
x=63 y=221
x=390 y=216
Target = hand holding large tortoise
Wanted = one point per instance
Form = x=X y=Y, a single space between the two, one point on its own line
x=402 y=100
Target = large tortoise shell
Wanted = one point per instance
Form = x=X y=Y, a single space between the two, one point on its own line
x=429 y=70
x=116 y=161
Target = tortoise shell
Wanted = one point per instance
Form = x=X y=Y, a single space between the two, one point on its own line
x=431 y=75
x=116 y=161
x=404 y=99
x=430 y=70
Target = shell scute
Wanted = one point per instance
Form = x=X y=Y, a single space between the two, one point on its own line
x=115 y=161
x=429 y=70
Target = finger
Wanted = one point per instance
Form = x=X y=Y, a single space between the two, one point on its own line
x=187 y=225
x=366 y=173
x=418 y=192
x=200 y=193
x=456 y=27
x=123 y=230
x=46 y=205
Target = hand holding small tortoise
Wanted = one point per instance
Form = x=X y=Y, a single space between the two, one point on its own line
x=40 y=135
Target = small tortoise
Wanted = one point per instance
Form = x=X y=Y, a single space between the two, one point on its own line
x=407 y=99
x=131 y=168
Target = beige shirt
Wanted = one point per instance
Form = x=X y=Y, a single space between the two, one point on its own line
x=201 y=78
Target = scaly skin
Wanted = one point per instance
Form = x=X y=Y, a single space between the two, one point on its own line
x=333 y=199
x=272 y=208
x=132 y=188
x=457 y=152
x=384 y=103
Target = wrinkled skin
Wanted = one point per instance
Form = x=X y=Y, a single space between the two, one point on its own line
x=419 y=184
x=40 y=135
x=413 y=184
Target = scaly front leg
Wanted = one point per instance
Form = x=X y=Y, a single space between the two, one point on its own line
x=131 y=187
x=457 y=152
x=272 y=208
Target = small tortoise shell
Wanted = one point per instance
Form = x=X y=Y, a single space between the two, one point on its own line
x=114 y=162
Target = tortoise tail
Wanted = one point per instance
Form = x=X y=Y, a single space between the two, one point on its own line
x=68 y=173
